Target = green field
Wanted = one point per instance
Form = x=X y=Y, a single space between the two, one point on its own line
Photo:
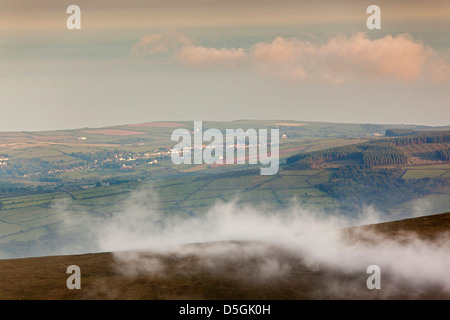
x=52 y=176
x=426 y=173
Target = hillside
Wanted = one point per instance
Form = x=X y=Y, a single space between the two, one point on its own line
x=105 y=276
x=433 y=146
x=48 y=179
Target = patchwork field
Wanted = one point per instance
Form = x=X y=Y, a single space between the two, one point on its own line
x=94 y=173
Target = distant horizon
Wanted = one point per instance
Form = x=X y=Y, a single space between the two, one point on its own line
x=226 y=121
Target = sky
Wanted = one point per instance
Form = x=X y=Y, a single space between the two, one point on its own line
x=135 y=62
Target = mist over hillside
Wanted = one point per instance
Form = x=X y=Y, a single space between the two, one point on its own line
x=123 y=210
x=294 y=255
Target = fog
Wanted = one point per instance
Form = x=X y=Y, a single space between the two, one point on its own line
x=274 y=241
x=261 y=244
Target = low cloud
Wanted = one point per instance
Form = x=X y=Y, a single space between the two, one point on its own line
x=256 y=244
x=262 y=245
x=339 y=60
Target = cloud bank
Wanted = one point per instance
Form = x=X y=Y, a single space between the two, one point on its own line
x=339 y=60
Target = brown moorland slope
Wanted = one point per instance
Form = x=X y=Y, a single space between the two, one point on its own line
x=182 y=277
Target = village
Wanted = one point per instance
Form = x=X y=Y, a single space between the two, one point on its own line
x=119 y=160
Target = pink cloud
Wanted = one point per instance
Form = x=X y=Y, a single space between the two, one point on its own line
x=152 y=44
x=339 y=60
x=342 y=59
x=200 y=56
